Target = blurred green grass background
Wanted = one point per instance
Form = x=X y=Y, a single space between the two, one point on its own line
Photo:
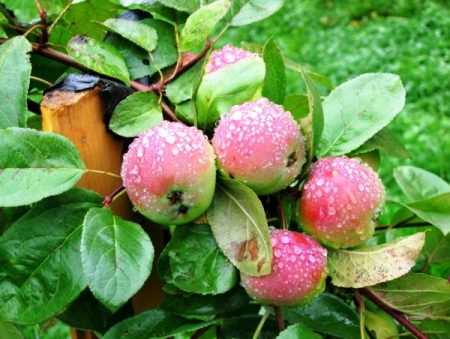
x=342 y=39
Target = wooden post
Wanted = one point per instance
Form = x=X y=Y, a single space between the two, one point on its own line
x=80 y=117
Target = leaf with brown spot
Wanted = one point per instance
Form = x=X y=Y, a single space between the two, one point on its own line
x=373 y=265
x=239 y=224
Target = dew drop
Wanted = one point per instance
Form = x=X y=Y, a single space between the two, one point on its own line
x=331 y=210
x=297 y=250
x=277 y=253
x=140 y=151
x=320 y=182
x=312 y=258
x=293 y=258
x=285 y=239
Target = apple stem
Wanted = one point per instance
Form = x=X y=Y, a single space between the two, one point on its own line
x=111 y=196
x=279 y=318
x=282 y=213
x=360 y=304
x=261 y=324
x=401 y=318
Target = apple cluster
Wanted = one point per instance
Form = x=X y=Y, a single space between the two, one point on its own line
x=169 y=173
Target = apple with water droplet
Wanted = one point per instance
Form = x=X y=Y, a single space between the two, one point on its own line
x=299 y=270
x=169 y=173
x=340 y=201
x=259 y=144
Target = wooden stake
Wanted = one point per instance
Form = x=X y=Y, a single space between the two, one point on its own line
x=80 y=117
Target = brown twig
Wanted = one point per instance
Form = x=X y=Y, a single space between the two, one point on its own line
x=279 y=318
x=413 y=224
x=43 y=40
x=200 y=332
x=168 y=111
x=282 y=213
x=401 y=318
x=107 y=200
x=361 y=307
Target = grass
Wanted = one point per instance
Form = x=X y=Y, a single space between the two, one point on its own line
x=342 y=39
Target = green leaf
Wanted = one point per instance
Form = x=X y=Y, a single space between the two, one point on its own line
x=417 y=294
x=142 y=35
x=226 y=87
x=243 y=327
x=298 y=331
x=373 y=265
x=196 y=262
x=239 y=224
x=9 y=331
x=297 y=104
x=326 y=314
x=358 y=109
x=201 y=23
x=380 y=324
x=35 y=165
x=256 y=10
x=82 y=19
x=435 y=329
x=206 y=305
x=25 y=10
x=435 y=210
x=15 y=71
x=386 y=142
x=117 y=257
x=40 y=260
x=136 y=114
x=138 y=61
x=99 y=56
x=315 y=117
x=419 y=184
x=275 y=79
x=183 y=87
x=154 y=323
x=87 y=313
x=181 y=5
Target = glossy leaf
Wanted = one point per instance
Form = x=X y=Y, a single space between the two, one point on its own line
x=99 y=56
x=40 y=260
x=142 y=35
x=226 y=87
x=136 y=114
x=417 y=294
x=82 y=18
x=25 y=10
x=419 y=184
x=206 y=305
x=373 y=265
x=184 y=86
x=154 y=323
x=196 y=263
x=9 y=331
x=358 y=109
x=298 y=331
x=380 y=324
x=117 y=256
x=435 y=329
x=386 y=142
x=435 y=210
x=315 y=117
x=138 y=61
x=239 y=224
x=35 y=165
x=15 y=70
x=201 y=23
x=275 y=79
x=326 y=314
x=243 y=327
x=181 y=5
x=297 y=104
x=255 y=10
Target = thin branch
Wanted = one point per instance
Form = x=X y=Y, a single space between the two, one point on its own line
x=43 y=40
x=360 y=304
x=279 y=318
x=168 y=111
x=261 y=324
x=413 y=224
x=45 y=82
x=282 y=213
x=50 y=29
x=401 y=318
x=111 y=196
